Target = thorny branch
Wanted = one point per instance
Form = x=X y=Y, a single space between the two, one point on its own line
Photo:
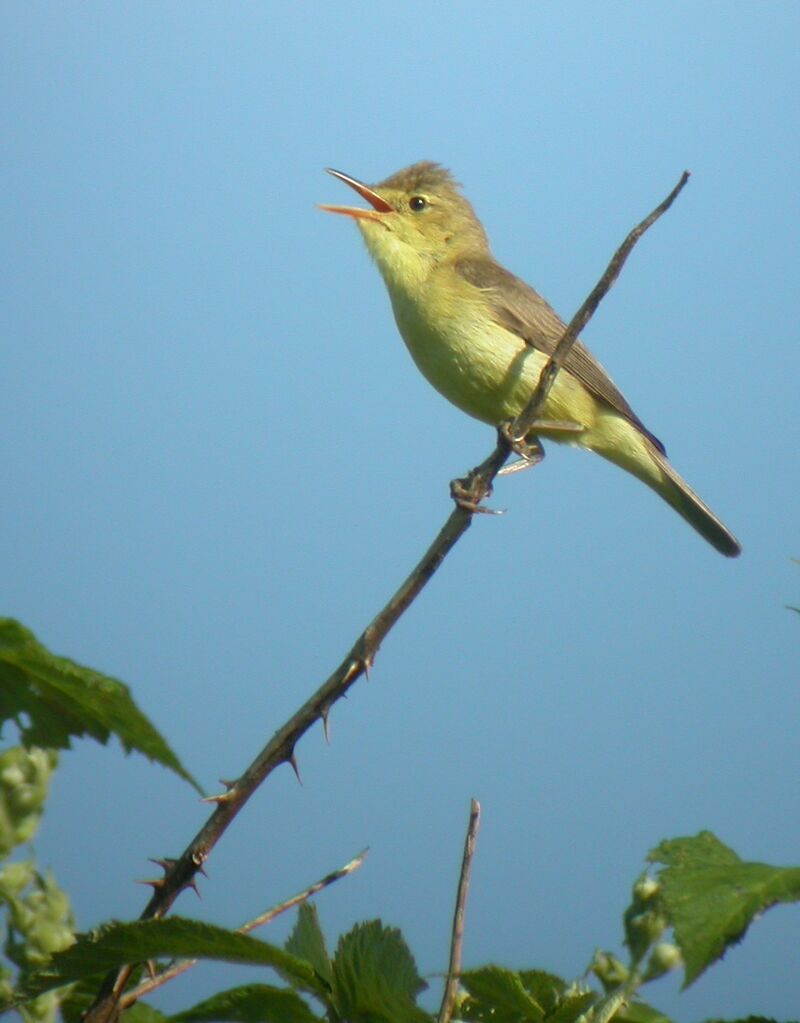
x=183 y=965
x=474 y=488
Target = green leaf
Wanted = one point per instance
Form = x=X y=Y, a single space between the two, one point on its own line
x=712 y=896
x=252 y=1003
x=52 y=700
x=546 y=989
x=116 y=944
x=142 y=1012
x=500 y=995
x=572 y=1007
x=375 y=977
x=748 y=1019
x=308 y=942
x=76 y=999
x=641 y=1012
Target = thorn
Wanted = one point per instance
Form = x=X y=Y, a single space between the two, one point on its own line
x=151 y=969
x=366 y=662
x=193 y=885
x=228 y=783
x=352 y=672
x=326 y=725
x=292 y=759
x=155 y=883
x=223 y=797
x=166 y=864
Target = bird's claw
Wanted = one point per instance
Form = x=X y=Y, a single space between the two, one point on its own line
x=463 y=493
x=528 y=448
x=518 y=466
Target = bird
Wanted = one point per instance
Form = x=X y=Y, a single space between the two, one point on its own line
x=482 y=336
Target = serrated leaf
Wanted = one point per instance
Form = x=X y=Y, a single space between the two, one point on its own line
x=499 y=994
x=703 y=849
x=52 y=700
x=308 y=942
x=712 y=896
x=116 y=944
x=572 y=1007
x=641 y=1012
x=545 y=988
x=251 y=1003
x=375 y=977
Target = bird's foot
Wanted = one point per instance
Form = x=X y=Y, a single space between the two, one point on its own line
x=529 y=449
x=519 y=465
x=466 y=496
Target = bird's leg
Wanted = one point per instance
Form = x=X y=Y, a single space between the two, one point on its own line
x=555 y=427
x=531 y=452
x=530 y=448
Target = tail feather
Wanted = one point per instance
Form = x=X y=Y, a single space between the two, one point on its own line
x=623 y=443
x=677 y=492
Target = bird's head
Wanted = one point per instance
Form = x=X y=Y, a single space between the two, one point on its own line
x=416 y=219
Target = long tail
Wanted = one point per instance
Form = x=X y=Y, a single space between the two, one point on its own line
x=677 y=492
x=621 y=442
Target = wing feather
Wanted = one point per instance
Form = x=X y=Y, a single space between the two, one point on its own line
x=520 y=309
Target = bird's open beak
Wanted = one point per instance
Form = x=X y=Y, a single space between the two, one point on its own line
x=379 y=205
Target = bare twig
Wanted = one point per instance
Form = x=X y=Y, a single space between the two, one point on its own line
x=469 y=493
x=183 y=965
x=527 y=417
x=457 y=941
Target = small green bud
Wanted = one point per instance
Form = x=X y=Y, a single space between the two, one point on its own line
x=646 y=888
x=665 y=957
x=14 y=877
x=648 y=926
x=610 y=971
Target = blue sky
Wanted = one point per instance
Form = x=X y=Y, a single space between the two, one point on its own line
x=220 y=460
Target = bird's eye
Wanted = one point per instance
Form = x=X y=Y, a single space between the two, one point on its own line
x=417 y=203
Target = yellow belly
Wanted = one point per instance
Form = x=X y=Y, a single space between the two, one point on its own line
x=485 y=370
x=490 y=373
